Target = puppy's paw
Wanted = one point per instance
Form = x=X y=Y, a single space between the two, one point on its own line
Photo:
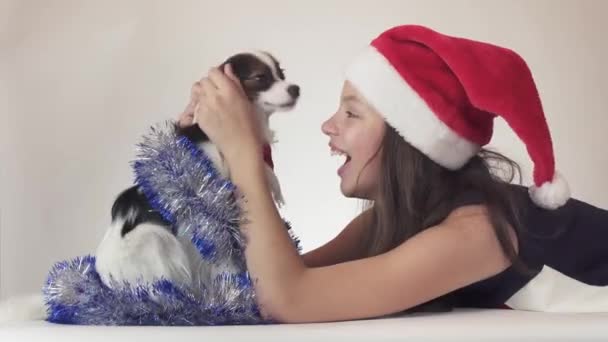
x=23 y=308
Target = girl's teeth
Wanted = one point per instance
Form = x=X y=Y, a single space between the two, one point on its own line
x=341 y=154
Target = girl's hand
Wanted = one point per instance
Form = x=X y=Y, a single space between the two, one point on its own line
x=227 y=116
x=186 y=118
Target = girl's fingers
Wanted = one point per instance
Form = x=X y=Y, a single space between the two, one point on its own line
x=230 y=74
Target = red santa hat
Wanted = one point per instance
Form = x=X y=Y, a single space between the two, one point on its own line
x=442 y=93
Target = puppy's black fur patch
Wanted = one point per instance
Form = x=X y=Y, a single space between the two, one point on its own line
x=255 y=76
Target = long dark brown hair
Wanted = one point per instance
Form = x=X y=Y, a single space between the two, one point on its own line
x=416 y=193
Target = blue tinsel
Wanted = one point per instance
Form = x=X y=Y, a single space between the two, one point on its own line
x=180 y=182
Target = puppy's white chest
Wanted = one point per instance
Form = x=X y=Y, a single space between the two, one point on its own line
x=220 y=164
x=215 y=156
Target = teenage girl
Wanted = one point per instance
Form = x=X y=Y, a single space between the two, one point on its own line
x=416 y=109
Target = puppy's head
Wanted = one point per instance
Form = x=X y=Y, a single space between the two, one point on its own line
x=264 y=81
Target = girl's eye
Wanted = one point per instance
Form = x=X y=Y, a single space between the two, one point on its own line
x=350 y=114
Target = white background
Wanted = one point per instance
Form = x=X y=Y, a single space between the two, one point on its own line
x=81 y=80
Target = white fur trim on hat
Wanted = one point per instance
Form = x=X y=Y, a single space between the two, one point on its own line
x=551 y=195
x=385 y=90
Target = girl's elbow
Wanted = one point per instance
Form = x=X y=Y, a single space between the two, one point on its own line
x=281 y=301
x=279 y=307
x=275 y=314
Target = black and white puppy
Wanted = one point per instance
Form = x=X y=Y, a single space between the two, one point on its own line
x=139 y=245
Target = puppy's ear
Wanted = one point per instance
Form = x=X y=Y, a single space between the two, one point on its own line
x=229 y=60
x=238 y=67
x=222 y=66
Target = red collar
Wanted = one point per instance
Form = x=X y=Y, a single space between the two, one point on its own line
x=268 y=156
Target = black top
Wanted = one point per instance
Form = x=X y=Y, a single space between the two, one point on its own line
x=566 y=248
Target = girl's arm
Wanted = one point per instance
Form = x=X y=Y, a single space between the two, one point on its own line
x=460 y=251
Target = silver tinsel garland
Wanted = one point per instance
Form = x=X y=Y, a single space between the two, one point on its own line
x=180 y=182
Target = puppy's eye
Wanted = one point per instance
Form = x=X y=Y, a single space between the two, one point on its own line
x=257 y=78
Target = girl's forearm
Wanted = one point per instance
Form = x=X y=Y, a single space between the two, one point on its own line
x=272 y=260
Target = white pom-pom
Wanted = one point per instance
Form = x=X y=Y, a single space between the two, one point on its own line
x=551 y=195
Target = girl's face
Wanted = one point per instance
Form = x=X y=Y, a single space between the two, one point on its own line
x=356 y=131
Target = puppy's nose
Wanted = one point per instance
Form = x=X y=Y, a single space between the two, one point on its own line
x=293 y=90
